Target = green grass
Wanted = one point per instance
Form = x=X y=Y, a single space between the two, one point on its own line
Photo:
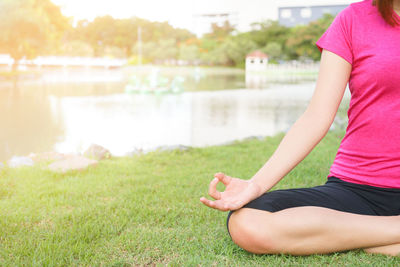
x=145 y=210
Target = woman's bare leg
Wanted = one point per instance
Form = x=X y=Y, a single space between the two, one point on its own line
x=391 y=250
x=311 y=230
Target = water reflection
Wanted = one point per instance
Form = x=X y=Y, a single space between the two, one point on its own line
x=265 y=80
x=68 y=116
x=229 y=115
x=123 y=123
x=27 y=123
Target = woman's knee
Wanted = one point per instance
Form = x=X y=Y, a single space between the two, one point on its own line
x=250 y=229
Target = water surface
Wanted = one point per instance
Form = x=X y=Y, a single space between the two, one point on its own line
x=68 y=110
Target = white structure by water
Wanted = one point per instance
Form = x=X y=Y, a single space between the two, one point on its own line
x=256 y=61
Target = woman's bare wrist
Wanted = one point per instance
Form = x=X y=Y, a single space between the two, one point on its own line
x=258 y=189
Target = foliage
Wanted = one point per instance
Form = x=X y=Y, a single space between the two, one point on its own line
x=29 y=27
x=236 y=49
x=166 y=49
x=107 y=31
x=77 y=49
x=163 y=50
x=269 y=31
x=220 y=32
x=125 y=34
x=98 y=33
x=302 y=38
x=147 y=50
x=189 y=52
x=273 y=50
x=278 y=41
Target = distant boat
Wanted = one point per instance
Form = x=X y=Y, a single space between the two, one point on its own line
x=154 y=84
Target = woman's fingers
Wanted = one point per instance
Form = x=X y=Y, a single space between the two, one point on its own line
x=207 y=202
x=212 y=189
x=214 y=193
x=218 y=205
x=225 y=179
x=235 y=206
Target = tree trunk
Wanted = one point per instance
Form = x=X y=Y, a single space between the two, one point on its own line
x=15 y=65
x=128 y=51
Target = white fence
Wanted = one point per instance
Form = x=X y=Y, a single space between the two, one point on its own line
x=295 y=65
x=290 y=66
x=56 y=61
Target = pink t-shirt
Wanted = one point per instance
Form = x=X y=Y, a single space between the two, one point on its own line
x=369 y=153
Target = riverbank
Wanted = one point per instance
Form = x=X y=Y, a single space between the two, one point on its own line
x=23 y=75
x=145 y=210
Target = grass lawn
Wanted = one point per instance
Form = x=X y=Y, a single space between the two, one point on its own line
x=145 y=210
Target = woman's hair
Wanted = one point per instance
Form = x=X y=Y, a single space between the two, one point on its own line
x=385 y=7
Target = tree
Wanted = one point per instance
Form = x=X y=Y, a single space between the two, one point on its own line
x=77 y=49
x=125 y=35
x=269 y=31
x=220 y=32
x=148 y=49
x=303 y=38
x=99 y=33
x=273 y=50
x=166 y=49
x=218 y=56
x=105 y=33
x=237 y=48
x=189 y=52
x=29 y=27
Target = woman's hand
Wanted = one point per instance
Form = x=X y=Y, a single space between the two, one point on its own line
x=237 y=193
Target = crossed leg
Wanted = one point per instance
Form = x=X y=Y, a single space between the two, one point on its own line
x=391 y=250
x=313 y=230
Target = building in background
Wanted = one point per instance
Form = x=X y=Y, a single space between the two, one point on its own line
x=243 y=14
x=293 y=13
x=256 y=61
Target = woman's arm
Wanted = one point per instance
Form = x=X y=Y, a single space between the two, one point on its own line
x=298 y=142
x=312 y=125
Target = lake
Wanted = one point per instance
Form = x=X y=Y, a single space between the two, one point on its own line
x=67 y=110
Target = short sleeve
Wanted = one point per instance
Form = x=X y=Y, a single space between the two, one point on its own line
x=337 y=38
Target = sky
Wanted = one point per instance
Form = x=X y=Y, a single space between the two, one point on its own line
x=183 y=13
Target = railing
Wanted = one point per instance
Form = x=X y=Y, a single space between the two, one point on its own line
x=59 y=61
x=291 y=66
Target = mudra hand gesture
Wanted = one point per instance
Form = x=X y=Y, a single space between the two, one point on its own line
x=237 y=193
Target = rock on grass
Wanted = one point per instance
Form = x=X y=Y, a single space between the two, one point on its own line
x=47 y=157
x=72 y=163
x=16 y=162
x=97 y=152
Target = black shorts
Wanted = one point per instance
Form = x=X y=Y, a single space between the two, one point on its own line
x=334 y=194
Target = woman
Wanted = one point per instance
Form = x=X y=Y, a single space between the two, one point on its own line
x=359 y=206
